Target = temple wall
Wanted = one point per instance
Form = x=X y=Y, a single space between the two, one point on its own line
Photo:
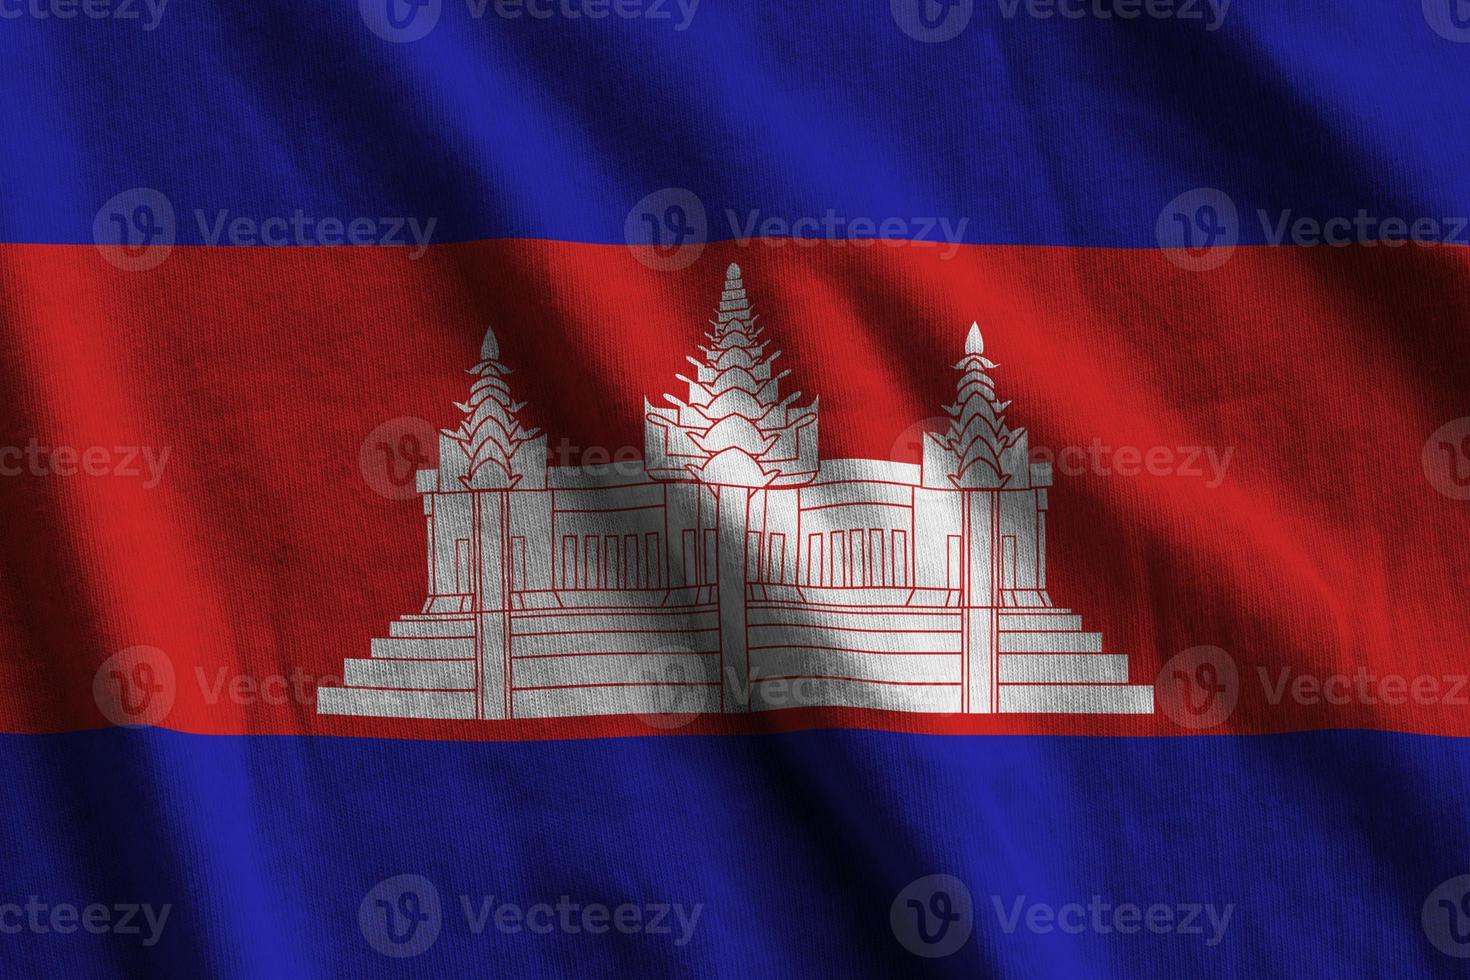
x=608 y=538
x=840 y=535
x=773 y=544
x=1017 y=540
x=938 y=524
x=690 y=523
x=530 y=556
x=452 y=521
x=618 y=641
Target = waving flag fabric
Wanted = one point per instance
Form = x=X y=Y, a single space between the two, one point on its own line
x=666 y=488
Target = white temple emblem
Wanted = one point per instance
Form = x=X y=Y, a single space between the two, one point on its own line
x=737 y=570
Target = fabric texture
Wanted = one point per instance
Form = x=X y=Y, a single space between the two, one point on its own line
x=665 y=488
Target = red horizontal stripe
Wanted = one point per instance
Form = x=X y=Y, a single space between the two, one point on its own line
x=263 y=552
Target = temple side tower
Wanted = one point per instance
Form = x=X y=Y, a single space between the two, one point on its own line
x=491 y=450
x=1003 y=511
x=485 y=462
x=979 y=451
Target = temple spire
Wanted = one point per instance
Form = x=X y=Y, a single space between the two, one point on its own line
x=734 y=311
x=974 y=343
x=979 y=450
x=735 y=428
x=490 y=449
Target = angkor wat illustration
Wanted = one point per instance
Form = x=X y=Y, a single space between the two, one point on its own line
x=736 y=570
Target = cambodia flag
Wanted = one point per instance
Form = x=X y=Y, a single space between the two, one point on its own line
x=676 y=488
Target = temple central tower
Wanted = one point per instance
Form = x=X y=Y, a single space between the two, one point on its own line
x=737 y=435
x=733 y=428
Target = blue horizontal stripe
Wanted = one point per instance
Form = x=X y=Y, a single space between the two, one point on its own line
x=1324 y=845
x=826 y=117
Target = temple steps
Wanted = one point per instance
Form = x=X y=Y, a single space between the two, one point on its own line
x=375 y=703
x=1108 y=699
x=1049 y=641
x=661 y=700
x=428 y=628
x=413 y=675
x=425 y=648
x=776 y=694
x=1061 y=620
x=1063 y=668
x=593 y=670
